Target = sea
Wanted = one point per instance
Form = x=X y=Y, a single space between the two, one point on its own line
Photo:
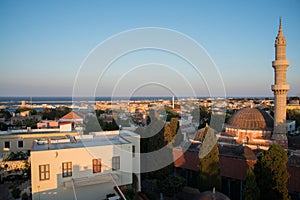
x=9 y=101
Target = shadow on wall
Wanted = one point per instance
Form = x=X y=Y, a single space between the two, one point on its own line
x=85 y=185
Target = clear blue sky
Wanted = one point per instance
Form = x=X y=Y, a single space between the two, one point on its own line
x=43 y=43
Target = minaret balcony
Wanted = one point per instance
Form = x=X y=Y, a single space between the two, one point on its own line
x=283 y=87
x=276 y=63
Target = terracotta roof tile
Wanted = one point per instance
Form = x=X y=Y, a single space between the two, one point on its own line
x=72 y=115
x=294 y=180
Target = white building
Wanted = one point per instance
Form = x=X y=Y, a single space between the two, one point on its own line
x=87 y=167
x=291 y=127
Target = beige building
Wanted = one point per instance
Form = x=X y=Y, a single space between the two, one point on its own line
x=22 y=140
x=87 y=167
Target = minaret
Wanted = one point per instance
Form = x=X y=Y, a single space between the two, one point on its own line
x=280 y=88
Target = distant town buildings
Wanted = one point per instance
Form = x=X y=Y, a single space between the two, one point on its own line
x=68 y=161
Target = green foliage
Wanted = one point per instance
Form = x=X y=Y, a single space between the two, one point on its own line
x=5 y=114
x=128 y=193
x=152 y=139
x=170 y=113
x=271 y=173
x=108 y=126
x=53 y=114
x=16 y=192
x=250 y=189
x=171 y=130
x=27 y=166
x=209 y=167
x=202 y=114
x=91 y=124
x=294 y=115
x=32 y=111
x=172 y=133
x=172 y=185
x=20 y=155
x=25 y=196
x=26 y=123
x=3 y=127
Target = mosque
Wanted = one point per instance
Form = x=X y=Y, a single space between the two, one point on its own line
x=248 y=132
x=255 y=127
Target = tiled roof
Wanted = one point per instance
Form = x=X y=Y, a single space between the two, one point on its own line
x=234 y=167
x=251 y=118
x=294 y=180
x=186 y=160
x=72 y=115
x=230 y=167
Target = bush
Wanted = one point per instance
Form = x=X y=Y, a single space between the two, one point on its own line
x=172 y=185
x=16 y=192
x=25 y=196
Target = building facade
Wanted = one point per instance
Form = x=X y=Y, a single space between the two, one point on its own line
x=85 y=167
x=22 y=140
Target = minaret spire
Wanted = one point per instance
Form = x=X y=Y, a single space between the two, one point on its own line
x=280 y=87
x=280 y=26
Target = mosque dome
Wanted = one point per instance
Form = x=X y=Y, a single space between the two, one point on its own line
x=251 y=119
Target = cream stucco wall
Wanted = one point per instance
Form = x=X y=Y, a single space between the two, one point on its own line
x=81 y=159
x=27 y=139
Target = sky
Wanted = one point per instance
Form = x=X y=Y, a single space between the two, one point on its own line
x=45 y=44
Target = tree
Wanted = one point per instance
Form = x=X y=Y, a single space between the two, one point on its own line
x=271 y=173
x=152 y=139
x=172 y=184
x=29 y=123
x=52 y=114
x=202 y=114
x=91 y=124
x=108 y=126
x=171 y=130
x=32 y=111
x=3 y=126
x=170 y=113
x=294 y=115
x=5 y=114
x=209 y=167
x=250 y=190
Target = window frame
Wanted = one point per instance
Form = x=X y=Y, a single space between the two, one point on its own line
x=44 y=172
x=4 y=144
x=97 y=165
x=19 y=143
x=133 y=150
x=115 y=163
x=67 y=169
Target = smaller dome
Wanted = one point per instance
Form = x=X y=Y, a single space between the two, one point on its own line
x=251 y=118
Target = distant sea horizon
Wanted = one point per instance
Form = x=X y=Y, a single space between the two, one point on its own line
x=56 y=99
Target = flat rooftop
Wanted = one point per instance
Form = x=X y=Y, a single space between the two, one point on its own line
x=79 y=142
x=35 y=131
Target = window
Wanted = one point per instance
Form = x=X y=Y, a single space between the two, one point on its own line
x=96 y=165
x=133 y=150
x=66 y=169
x=116 y=163
x=7 y=144
x=20 y=144
x=44 y=171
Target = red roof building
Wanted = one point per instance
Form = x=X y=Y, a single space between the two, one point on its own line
x=72 y=116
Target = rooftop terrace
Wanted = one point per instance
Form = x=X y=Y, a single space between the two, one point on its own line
x=80 y=141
